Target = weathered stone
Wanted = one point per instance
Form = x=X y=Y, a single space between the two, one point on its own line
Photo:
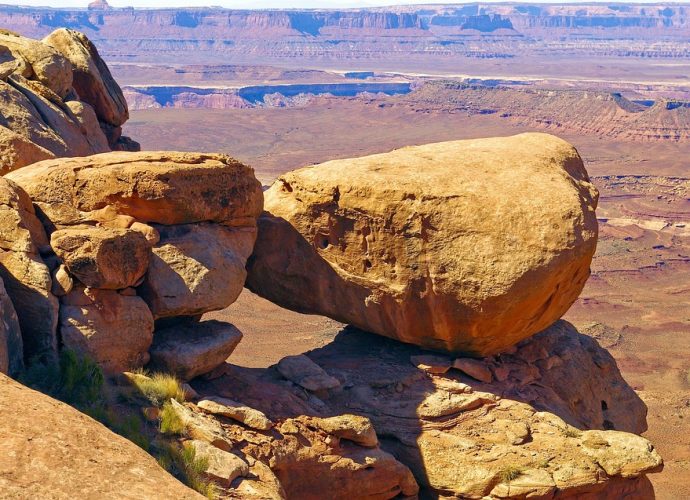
x=189 y=349
x=159 y=187
x=304 y=372
x=73 y=455
x=114 y=330
x=466 y=246
x=474 y=368
x=431 y=364
x=11 y=347
x=102 y=257
x=236 y=411
x=196 y=268
x=511 y=440
x=351 y=427
x=26 y=278
x=149 y=232
x=223 y=467
x=41 y=62
x=62 y=281
x=201 y=427
x=92 y=79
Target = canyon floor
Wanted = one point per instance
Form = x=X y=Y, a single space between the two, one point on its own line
x=636 y=302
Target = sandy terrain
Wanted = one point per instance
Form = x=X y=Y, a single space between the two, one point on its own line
x=636 y=302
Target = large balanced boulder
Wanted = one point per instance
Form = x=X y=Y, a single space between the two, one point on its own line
x=27 y=279
x=73 y=455
x=466 y=246
x=159 y=187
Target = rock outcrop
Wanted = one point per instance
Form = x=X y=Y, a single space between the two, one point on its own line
x=465 y=246
x=555 y=422
x=73 y=455
x=11 y=346
x=129 y=238
x=57 y=99
x=24 y=273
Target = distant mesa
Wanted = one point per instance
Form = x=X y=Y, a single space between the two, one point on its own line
x=99 y=5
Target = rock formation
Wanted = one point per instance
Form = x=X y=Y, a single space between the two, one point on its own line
x=58 y=99
x=129 y=238
x=466 y=246
x=554 y=422
x=73 y=455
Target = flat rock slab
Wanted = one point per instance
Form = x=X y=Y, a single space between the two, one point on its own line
x=223 y=467
x=304 y=372
x=236 y=411
x=190 y=349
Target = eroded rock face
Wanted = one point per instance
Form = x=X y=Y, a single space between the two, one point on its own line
x=160 y=187
x=43 y=116
x=26 y=277
x=113 y=329
x=11 y=347
x=466 y=246
x=537 y=433
x=74 y=456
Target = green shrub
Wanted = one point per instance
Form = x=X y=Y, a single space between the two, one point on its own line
x=159 y=388
x=182 y=462
x=170 y=421
x=74 y=379
x=510 y=473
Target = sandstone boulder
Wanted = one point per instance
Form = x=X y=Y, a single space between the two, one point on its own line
x=11 y=347
x=42 y=115
x=92 y=79
x=102 y=257
x=231 y=409
x=113 y=329
x=465 y=246
x=26 y=278
x=196 y=268
x=223 y=467
x=160 y=187
x=39 y=61
x=73 y=455
x=189 y=349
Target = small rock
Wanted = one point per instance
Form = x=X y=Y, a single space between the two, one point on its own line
x=236 y=411
x=150 y=233
x=190 y=349
x=201 y=427
x=474 y=368
x=151 y=413
x=304 y=372
x=62 y=282
x=189 y=392
x=352 y=427
x=431 y=364
x=223 y=466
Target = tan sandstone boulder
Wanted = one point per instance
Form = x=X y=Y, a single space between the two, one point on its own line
x=102 y=257
x=189 y=349
x=43 y=116
x=466 y=246
x=113 y=329
x=26 y=278
x=160 y=187
x=196 y=268
x=53 y=451
x=92 y=79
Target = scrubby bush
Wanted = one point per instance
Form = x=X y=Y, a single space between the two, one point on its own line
x=170 y=421
x=182 y=462
x=510 y=473
x=159 y=388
